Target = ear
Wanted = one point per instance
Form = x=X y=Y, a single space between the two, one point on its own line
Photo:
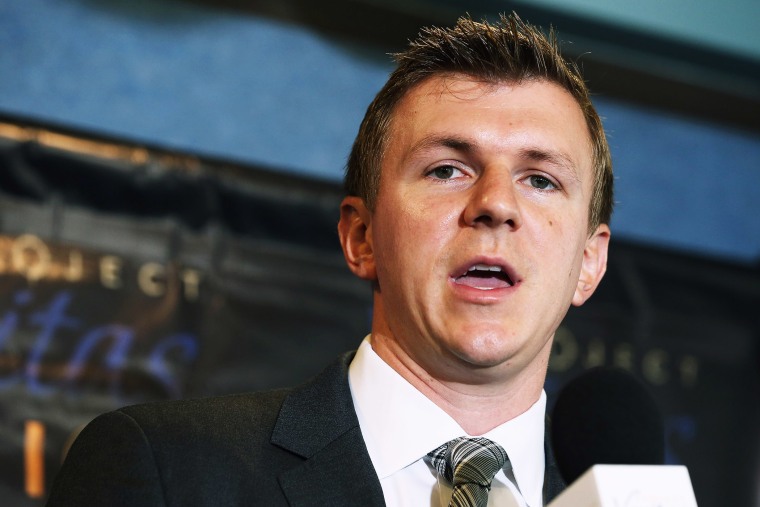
x=594 y=264
x=355 y=231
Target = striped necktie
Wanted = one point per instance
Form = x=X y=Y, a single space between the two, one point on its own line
x=469 y=464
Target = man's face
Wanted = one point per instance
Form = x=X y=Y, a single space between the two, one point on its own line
x=479 y=239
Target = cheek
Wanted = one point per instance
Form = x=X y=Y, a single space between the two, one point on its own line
x=548 y=233
x=413 y=240
x=396 y=240
x=560 y=243
x=426 y=224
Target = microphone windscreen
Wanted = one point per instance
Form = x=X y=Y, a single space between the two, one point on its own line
x=605 y=416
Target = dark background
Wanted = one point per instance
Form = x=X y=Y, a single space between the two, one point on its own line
x=206 y=303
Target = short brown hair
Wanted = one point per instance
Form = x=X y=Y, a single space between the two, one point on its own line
x=508 y=51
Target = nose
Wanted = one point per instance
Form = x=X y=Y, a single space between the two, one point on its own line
x=493 y=201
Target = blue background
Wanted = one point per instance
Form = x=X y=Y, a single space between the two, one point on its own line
x=255 y=90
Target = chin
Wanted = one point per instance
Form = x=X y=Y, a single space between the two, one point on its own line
x=486 y=350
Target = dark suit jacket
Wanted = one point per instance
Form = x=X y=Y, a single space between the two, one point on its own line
x=296 y=447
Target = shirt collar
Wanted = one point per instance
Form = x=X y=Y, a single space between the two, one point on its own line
x=400 y=425
x=523 y=439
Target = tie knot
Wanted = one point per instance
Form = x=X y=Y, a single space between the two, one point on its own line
x=469 y=460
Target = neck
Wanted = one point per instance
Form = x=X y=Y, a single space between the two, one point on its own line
x=481 y=402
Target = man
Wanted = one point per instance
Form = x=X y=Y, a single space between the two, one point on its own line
x=479 y=192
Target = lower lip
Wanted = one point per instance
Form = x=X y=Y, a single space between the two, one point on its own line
x=483 y=296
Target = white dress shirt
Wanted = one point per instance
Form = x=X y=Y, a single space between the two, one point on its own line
x=400 y=426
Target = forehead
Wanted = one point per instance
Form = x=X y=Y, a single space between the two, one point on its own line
x=498 y=117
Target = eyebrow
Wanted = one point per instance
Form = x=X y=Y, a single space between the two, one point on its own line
x=446 y=141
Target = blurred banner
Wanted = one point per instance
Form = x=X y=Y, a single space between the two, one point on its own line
x=690 y=328
x=132 y=274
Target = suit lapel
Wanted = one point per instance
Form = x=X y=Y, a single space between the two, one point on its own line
x=318 y=422
x=553 y=482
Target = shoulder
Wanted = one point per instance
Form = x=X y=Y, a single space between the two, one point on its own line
x=173 y=428
x=252 y=415
x=184 y=450
x=255 y=408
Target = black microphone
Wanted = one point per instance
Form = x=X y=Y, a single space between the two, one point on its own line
x=606 y=416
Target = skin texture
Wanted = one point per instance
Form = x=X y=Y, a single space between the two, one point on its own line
x=477 y=174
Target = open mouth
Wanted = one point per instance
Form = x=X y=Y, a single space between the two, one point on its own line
x=485 y=277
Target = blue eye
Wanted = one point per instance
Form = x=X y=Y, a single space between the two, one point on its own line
x=541 y=183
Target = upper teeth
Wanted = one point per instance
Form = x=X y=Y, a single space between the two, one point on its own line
x=484 y=267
